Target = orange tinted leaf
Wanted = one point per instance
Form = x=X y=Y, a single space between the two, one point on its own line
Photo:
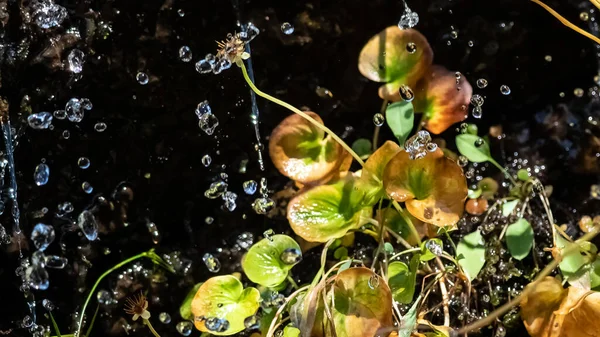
x=385 y=59
x=433 y=188
x=299 y=151
x=440 y=99
x=372 y=173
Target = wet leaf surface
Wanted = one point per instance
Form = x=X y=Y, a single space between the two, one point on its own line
x=269 y=260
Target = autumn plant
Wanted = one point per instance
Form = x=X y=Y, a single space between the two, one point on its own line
x=409 y=198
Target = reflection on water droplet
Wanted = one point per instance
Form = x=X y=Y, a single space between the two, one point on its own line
x=263 y=205
x=76 y=60
x=477 y=112
x=184 y=328
x=252 y=322
x=505 y=90
x=378 y=119
x=42 y=236
x=578 y=92
x=164 y=318
x=87 y=222
x=206 y=160
x=416 y=146
x=287 y=28
x=185 y=54
x=212 y=263
x=142 y=78
x=406 y=93
x=584 y=16
x=100 y=127
x=409 y=19
x=87 y=187
x=462 y=161
x=216 y=189
x=373 y=281
x=482 y=83
x=479 y=142
x=250 y=187
x=40 y=120
x=291 y=256
x=434 y=247
x=41 y=174
x=411 y=47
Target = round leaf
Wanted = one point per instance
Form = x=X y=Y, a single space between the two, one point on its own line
x=471 y=254
x=185 y=310
x=224 y=297
x=426 y=253
x=433 y=188
x=362 y=147
x=361 y=307
x=400 y=117
x=442 y=100
x=385 y=59
x=466 y=147
x=519 y=239
x=372 y=172
x=328 y=211
x=402 y=279
x=263 y=264
x=299 y=151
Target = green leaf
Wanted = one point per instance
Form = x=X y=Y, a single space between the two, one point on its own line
x=519 y=239
x=362 y=147
x=402 y=279
x=266 y=319
x=328 y=211
x=508 y=207
x=427 y=254
x=471 y=254
x=345 y=266
x=400 y=117
x=474 y=194
x=571 y=264
x=341 y=253
x=224 y=297
x=290 y=331
x=54 y=325
x=269 y=260
x=595 y=275
x=185 y=310
x=466 y=147
x=388 y=248
x=409 y=321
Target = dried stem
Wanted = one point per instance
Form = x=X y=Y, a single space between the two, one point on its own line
x=569 y=24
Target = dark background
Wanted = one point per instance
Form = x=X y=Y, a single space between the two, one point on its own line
x=153 y=130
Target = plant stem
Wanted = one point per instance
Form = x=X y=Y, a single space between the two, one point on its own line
x=147 y=322
x=569 y=24
x=530 y=287
x=292 y=282
x=54 y=325
x=377 y=127
x=411 y=226
x=299 y=112
x=501 y=168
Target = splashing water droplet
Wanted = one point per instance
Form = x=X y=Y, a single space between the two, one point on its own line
x=40 y=120
x=206 y=160
x=100 y=127
x=409 y=19
x=142 y=78
x=250 y=187
x=416 y=146
x=406 y=93
x=252 y=322
x=504 y=90
x=60 y=114
x=48 y=305
x=482 y=83
x=164 y=318
x=378 y=119
x=477 y=100
x=83 y=163
x=87 y=187
x=268 y=234
x=477 y=112
x=204 y=67
x=291 y=256
x=212 y=263
x=185 y=54
x=76 y=60
x=42 y=236
x=287 y=28
x=56 y=262
x=47 y=14
x=263 y=205
x=74 y=110
x=41 y=174
x=216 y=189
x=37 y=277
x=184 y=328
x=434 y=247
x=230 y=198
x=208 y=123
x=87 y=222
x=203 y=108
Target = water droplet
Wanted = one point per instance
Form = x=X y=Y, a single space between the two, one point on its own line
x=482 y=83
x=505 y=90
x=86 y=103
x=578 y=92
x=27 y=321
x=48 y=305
x=216 y=324
x=42 y=236
x=416 y=146
x=477 y=112
x=479 y=142
x=65 y=208
x=204 y=67
x=252 y=322
x=411 y=47
x=83 y=163
x=181 y=12
x=263 y=205
x=105 y=298
x=87 y=222
x=548 y=58
x=56 y=262
x=431 y=147
x=584 y=16
x=250 y=187
x=212 y=263
x=47 y=14
x=323 y=92
x=76 y=60
x=203 y=108
x=409 y=19
x=60 y=114
x=229 y=198
x=153 y=230
x=434 y=247
x=287 y=28
x=74 y=110
x=206 y=160
x=458 y=76
x=142 y=78
x=477 y=100
x=87 y=187
x=291 y=256
x=185 y=54
x=406 y=93
x=66 y=134
x=164 y=318
x=373 y=281
x=378 y=119
x=216 y=189
x=250 y=33
x=40 y=120
x=37 y=277
x=184 y=328
x=208 y=123
x=209 y=220
x=100 y=127
x=595 y=192
x=41 y=174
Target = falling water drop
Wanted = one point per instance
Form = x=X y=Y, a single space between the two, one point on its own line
x=212 y=263
x=185 y=54
x=287 y=28
x=142 y=78
x=504 y=90
x=41 y=174
x=378 y=119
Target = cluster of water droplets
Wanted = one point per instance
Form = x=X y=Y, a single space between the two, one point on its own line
x=219 y=189
x=263 y=204
x=47 y=14
x=182 y=265
x=35 y=273
x=409 y=19
x=419 y=145
x=207 y=121
x=223 y=61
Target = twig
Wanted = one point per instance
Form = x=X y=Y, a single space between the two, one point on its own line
x=567 y=23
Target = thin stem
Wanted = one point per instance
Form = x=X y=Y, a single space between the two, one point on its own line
x=399 y=238
x=281 y=308
x=408 y=251
x=147 y=322
x=531 y=287
x=567 y=23
x=299 y=112
x=377 y=127
x=411 y=226
x=595 y=3
x=501 y=168
x=54 y=325
x=292 y=282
